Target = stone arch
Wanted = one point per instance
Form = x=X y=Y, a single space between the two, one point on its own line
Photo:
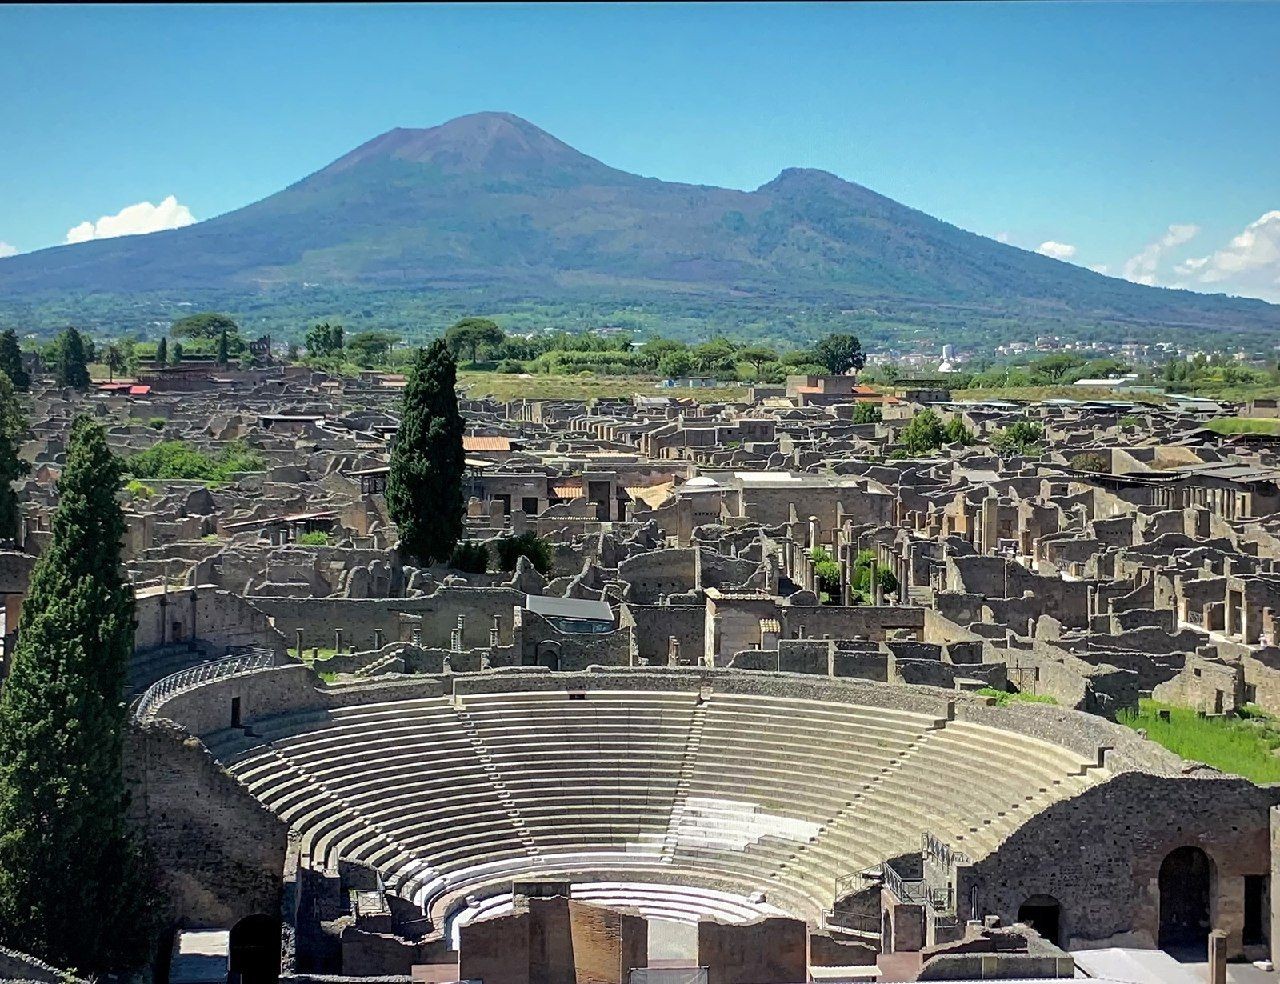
x=1186 y=889
x=254 y=951
x=1043 y=913
x=549 y=655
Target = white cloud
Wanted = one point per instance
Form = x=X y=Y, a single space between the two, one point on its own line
x=1002 y=237
x=7 y=250
x=1249 y=264
x=1143 y=267
x=134 y=220
x=1059 y=251
x=1098 y=267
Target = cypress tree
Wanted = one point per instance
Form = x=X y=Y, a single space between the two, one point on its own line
x=162 y=351
x=424 y=489
x=73 y=360
x=222 y=348
x=12 y=426
x=71 y=891
x=11 y=361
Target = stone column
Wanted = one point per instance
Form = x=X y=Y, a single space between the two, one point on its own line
x=377 y=638
x=337 y=640
x=1217 y=957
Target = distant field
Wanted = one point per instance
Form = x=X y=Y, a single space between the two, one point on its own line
x=1057 y=393
x=1245 y=746
x=511 y=386
x=1242 y=425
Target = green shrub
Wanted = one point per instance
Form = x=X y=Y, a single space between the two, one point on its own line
x=511 y=548
x=157 y=423
x=1089 y=461
x=1004 y=697
x=510 y=366
x=470 y=557
x=314 y=539
x=178 y=459
x=138 y=490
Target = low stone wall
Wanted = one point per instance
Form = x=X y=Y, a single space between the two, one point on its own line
x=15 y=966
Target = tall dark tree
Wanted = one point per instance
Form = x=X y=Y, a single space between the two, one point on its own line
x=73 y=360
x=176 y=355
x=223 y=354
x=424 y=489
x=11 y=361
x=71 y=891
x=840 y=354
x=162 y=351
x=13 y=425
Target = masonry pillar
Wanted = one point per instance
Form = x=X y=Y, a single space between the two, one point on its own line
x=377 y=638
x=813 y=532
x=337 y=640
x=298 y=638
x=1217 y=957
x=494 y=632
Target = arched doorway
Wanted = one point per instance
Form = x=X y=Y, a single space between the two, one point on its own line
x=1186 y=885
x=1043 y=913
x=255 y=951
x=549 y=655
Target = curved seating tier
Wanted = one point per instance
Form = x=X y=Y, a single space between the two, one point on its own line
x=750 y=793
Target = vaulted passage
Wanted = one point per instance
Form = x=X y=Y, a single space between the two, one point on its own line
x=1043 y=913
x=1186 y=880
x=255 y=951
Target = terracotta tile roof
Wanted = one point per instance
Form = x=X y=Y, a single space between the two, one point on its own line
x=484 y=442
x=566 y=490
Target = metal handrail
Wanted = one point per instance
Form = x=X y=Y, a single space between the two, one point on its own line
x=195 y=676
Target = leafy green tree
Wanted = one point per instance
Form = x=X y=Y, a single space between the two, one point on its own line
x=207 y=325
x=72 y=889
x=716 y=357
x=13 y=426
x=840 y=354
x=424 y=489
x=114 y=359
x=867 y=413
x=325 y=340
x=862 y=581
x=162 y=351
x=826 y=570
x=758 y=355
x=73 y=360
x=1022 y=437
x=676 y=364
x=955 y=432
x=370 y=348
x=470 y=556
x=473 y=334
x=528 y=544
x=923 y=433
x=11 y=361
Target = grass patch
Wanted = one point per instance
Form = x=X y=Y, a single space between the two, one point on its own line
x=1243 y=425
x=328 y=676
x=551 y=386
x=1243 y=744
x=1003 y=697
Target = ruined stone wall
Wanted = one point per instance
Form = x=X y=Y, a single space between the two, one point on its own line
x=219 y=854
x=361 y=618
x=653 y=625
x=1107 y=846
x=852 y=621
x=277 y=690
x=770 y=949
x=654 y=575
x=219 y=618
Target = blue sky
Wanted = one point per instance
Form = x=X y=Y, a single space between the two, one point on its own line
x=1143 y=138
